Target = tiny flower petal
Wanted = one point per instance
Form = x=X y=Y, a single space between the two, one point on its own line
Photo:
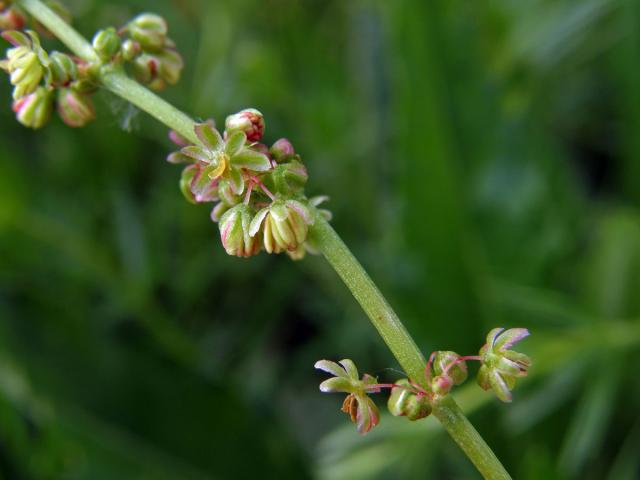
x=234 y=143
x=208 y=135
x=336 y=384
x=509 y=338
x=350 y=368
x=331 y=367
x=368 y=415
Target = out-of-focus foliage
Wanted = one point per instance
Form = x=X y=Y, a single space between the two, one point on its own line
x=483 y=160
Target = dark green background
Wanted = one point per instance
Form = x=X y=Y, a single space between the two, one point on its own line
x=483 y=162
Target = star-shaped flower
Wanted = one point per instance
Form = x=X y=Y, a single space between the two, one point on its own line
x=225 y=159
x=501 y=366
x=358 y=405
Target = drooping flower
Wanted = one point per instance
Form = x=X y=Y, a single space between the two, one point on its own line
x=225 y=158
x=26 y=62
x=284 y=225
x=234 y=232
x=501 y=367
x=34 y=109
x=360 y=408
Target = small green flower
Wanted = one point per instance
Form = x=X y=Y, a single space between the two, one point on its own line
x=149 y=30
x=34 y=109
x=284 y=225
x=62 y=70
x=361 y=409
x=501 y=367
x=404 y=401
x=26 y=62
x=234 y=232
x=75 y=109
x=106 y=43
x=226 y=159
x=448 y=370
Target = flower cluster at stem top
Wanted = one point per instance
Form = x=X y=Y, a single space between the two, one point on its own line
x=43 y=81
x=258 y=191
x=500 y=367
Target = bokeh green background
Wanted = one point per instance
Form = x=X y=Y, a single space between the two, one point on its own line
x=483 y=162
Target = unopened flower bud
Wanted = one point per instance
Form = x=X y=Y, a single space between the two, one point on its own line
x=234 y=232
x=284 y=225
x=170 y=66
x=106 y=43
x=130 y=50
x=282 y=150
x=448 y=364
x=12 y=18
x=158 y=70
x=250 y=121
x=404 y=401
x=34 y=109
x=62 y=70
x=75 y=109
x=150 y=30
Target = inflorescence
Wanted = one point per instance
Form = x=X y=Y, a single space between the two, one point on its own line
x=43 y=81
x=258 y=191
x=499 y=370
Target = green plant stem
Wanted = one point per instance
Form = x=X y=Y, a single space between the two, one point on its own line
x=335 y=251
x=143 y=98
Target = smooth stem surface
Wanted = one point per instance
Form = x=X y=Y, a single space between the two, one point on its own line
x=143 y=98
x=335 y=251
x=467 y=437
x=371 y=300
x=403 y=347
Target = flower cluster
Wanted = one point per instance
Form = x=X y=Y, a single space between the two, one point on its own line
x=498 y=372
x=144 y=43
x=258 y=191
x=43 y=81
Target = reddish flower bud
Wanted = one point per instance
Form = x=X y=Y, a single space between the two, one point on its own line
x=75 y=109
x=34 y=110
x=12 y=18
x=250 y=121
x=282 y=150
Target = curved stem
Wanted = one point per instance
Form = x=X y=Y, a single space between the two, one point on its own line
x=333 y=248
